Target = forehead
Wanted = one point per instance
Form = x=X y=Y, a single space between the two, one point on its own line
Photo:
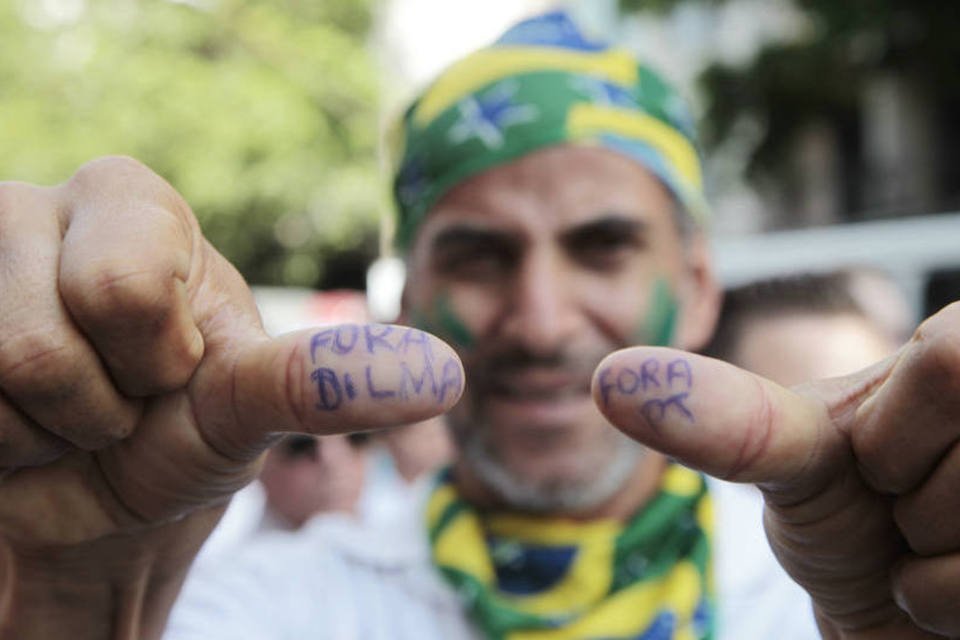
x=551 y=190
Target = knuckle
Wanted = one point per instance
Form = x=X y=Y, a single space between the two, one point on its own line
x=944 y=320
x=98 y=431
x=13 y=197
x=876 y=464
x=928 y=515
x=882 y=467
x=938 y=361
x=10 y=454
x=47 y=375
x=10 y=193
x=114 y=165
x=931 y=611
x=137 y=322
x=918 y=534
x=116 y=430
x=28 y=449
x=115 y=294
x=36 y=360
x=125 y=173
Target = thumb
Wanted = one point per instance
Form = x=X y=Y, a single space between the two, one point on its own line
x=713 y=416
x=831 y=532
x=342 y=378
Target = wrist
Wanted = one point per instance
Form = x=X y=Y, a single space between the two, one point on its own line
x=119 y=587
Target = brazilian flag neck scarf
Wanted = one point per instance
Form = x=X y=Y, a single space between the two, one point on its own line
x=533 y=578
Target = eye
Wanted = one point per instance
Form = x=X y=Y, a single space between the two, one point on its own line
x=298 y=446
x=606 y=247
x=476 y=263
x=472 y=266
x=476 y=255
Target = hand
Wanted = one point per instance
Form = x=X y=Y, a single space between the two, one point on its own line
x=138 y=389
x=859 y=474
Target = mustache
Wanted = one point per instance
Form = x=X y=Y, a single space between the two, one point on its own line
x=490 y=369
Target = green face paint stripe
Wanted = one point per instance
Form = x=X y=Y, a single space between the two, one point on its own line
x=668 y=319
x=660 y=322
x=421 y=321
x=444 y=323
x=451 y=324
x=448 y=515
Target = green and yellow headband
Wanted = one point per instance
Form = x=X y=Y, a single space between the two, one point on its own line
x=542 y=83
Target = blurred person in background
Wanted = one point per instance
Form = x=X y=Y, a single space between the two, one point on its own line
x=368 y=477
x=551 y=206
x=290 y=487
x=805 y=327
x=302 y=476
x=400 y=459
x=792 y=329
x=305 y=475
x=418 y=448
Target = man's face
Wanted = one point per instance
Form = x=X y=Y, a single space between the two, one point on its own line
x=534 y=271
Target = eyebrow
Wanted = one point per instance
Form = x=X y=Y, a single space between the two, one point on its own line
x=610 y=225
x=465 y=236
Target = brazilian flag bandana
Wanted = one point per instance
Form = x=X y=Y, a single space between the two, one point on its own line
x=528 y=578
x=542 y=83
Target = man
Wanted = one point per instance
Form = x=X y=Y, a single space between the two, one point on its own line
x=137 y=386
x=538 y=257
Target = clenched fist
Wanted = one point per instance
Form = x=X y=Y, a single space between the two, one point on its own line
x=138 y=391
x=859 y=474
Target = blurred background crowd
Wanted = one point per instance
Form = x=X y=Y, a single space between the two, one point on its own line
x=830 y=136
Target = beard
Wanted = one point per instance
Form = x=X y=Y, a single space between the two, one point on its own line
x=560 y=494
x=602 y=463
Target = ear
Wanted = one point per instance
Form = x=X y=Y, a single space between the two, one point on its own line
x=699 y=296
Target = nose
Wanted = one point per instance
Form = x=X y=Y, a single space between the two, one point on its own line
x=542 y=314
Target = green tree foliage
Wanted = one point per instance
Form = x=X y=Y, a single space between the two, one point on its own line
x=660 y=6
x=263 y=114
x=822 y=77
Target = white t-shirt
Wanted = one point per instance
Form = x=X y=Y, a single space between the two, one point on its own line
x=338 y=579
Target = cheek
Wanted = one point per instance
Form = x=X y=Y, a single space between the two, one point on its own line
x=635 y=309
x=458 y=315
x=658 y=320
